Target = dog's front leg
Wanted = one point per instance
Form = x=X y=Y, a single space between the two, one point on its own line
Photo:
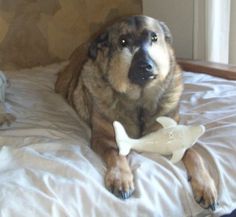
x=203 y=186
x=119 y=177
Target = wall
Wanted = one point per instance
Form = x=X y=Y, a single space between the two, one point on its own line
x=38 y=32
x=178 y=15
x=188 y=21
x=232 y=53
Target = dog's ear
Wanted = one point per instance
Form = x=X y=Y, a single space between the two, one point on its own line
x=166 y=30
x=100 y=42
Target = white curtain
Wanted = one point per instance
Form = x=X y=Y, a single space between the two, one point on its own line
x=214 y=31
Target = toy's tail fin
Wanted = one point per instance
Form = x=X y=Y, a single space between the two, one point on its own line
x=122 y=139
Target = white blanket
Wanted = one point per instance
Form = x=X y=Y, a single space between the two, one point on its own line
x=48 y=169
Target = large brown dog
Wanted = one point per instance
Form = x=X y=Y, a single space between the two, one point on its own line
x=129 y=73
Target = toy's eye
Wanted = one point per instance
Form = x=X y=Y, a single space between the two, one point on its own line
x=154 y=37
x=123 y=42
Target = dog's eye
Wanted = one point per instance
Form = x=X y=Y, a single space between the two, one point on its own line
x=154 y=37
x=123 y=42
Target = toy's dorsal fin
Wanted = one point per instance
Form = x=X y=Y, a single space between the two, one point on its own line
x=177 y=155
x=166 y=122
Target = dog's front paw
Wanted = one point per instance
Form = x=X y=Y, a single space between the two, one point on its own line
x=204 y=190
x=6 y=118
x=120 y=182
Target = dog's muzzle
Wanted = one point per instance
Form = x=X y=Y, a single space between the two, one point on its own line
x=142 y=68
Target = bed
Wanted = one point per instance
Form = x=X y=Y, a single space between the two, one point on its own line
x=48 y=169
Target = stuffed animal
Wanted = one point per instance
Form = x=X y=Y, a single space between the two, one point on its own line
x=171 y=139
x=3 y=86
x=5 y=116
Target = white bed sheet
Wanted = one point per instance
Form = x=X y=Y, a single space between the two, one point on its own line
x=48 y=169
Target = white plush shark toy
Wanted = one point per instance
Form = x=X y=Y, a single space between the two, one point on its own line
x=171 y=139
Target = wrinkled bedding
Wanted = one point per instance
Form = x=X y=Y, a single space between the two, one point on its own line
x=48 y=169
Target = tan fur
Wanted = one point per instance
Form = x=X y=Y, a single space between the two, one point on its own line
x=100 y=90
x=67 y=77
x=117 y=74
x=203 y=185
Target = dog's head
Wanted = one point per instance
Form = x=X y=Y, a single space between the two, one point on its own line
x=133 y=54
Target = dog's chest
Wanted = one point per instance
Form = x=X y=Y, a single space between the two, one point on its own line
x=128 y=113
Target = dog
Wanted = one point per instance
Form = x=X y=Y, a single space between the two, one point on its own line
x=5 y=116
x=129 y=73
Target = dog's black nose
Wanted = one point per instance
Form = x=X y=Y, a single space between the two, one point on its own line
x=145 y=66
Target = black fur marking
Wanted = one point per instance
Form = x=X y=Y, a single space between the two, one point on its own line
x=98 y=43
